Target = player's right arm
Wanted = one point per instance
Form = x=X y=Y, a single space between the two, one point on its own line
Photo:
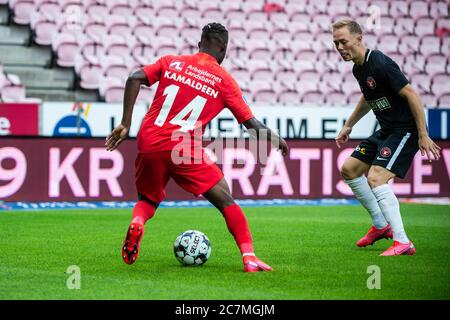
x=132 y=86
x=362 y=108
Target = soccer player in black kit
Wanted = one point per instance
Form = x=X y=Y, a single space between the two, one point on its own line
x=388 y=153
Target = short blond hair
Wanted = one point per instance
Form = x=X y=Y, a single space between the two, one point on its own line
x=352 y=25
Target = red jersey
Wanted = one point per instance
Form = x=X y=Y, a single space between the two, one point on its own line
x=192 y=90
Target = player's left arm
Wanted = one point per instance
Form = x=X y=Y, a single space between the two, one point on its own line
x=426 y=145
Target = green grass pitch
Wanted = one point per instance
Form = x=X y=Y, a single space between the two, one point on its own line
x=312 y=250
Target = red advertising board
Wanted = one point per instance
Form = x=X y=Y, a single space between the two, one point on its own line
x=50 y=169
x=19 y=119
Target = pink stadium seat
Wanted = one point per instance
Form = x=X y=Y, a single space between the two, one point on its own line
x=306 y=55
x=65 y=46
x=254 y=12
x=96 y=27
x=387 y=25
x=321 y=22
x=285 y=72
x=112 y=89
x=424 y=26
x=435 y=63
x=211 y=10
x=440 y=85
x=164 y=46
x=258 y=49
x=388 y=44
x=232 y=11
x=119 y=25
x=45 y=26
x=316 y=7
x=335 y=98
x=142 y=29
x=357 y=8
x=117 y=45
x=336 y=8
x=404 y=26
x=257 y=30
x=145 y=95
x=97 y=9
x=444 y=100
x=313 y=97
x=51 y=7
x=429 y=100
x=260 y=69
x=280 y=31
x=288 y=97
x=142 y=52
x=430 y=45
x=381 y=5
x=398 y=8
x=237 y=48
x=122 y=8
x=263 y=91
x=422 y=82
x=370 y=40
x=310 y=76
x=22 y=10
x=90 y=73
x=409 y=45
x=418 y=9
x=166 y=27
x=353 y=98
x=439 y=9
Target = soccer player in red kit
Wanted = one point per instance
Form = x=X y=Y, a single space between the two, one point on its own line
x=192 y=90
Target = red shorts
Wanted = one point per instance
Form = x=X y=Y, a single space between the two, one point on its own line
x=153 y=171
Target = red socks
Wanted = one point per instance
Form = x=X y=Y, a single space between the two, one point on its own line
x=142 y=212
x=238 y=227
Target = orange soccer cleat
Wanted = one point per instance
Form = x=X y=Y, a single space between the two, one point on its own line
x=374 y=235
x=132 y=243
x=253 y=264
x=400 y=248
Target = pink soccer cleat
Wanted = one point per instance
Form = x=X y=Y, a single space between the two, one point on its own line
x=132 y=243
x=253 y=264
x=400 y=248
x=374 y=235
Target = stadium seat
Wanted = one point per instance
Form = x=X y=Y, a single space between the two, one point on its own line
x=45 y=26
x=440 y=85
x=22 y=10
x=421 y=81
x=429 y=45
x=257 y=30
x=263 y=91
x=404 y=26
x=439 y=9
x=65 y=46
x=358 y=8
x=335 y=98
x=112 y=89
x=398 y=8
x=444 y=100
x=258 y=49
x=418 y=9
x=424 y=27
x=260 y=69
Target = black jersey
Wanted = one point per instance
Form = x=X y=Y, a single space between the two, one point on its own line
x=380 y=80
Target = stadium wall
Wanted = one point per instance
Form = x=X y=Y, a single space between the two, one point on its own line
x=98 y=119
x=80 y=169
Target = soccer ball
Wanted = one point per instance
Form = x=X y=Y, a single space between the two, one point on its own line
x=192 y=248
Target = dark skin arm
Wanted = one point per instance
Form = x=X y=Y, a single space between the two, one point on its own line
x=132 y=87
x=260 y=131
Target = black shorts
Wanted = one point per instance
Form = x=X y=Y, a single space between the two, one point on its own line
x=393 y=151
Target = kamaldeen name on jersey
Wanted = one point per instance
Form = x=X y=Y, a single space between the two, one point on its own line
x=192 y=83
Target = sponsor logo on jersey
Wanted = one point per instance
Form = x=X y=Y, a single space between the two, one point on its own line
x=379 y=104
x=360 y=150
x=385 y=152
x=371 y=83
x=176 y=65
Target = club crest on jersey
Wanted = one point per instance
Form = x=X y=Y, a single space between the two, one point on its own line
x=176 y=65
x=371 y=83
x=385 y=152
x=360 y=150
